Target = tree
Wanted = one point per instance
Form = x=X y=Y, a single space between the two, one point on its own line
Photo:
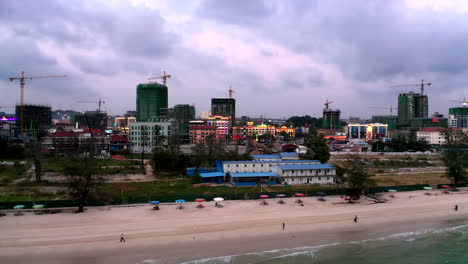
x=285 y=136
x=80 y=179
x=455 y=155
x=353 y=174
x=318 y=145
x=36 y=153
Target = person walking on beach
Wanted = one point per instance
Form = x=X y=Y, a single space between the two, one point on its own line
x=355 y=219
x=456 y=207
x=122 y=239
x=284 y=225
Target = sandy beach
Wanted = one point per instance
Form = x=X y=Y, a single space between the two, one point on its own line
x=173 y=236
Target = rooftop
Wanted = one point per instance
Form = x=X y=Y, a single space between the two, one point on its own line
x=306 y=166
x=253 y=174
x=267 y=156
x=288 y=154
x=211 y=174
x=271 y=161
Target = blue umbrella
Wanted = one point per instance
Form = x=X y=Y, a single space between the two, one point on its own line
x=18 y=206
x=154 y=202
x=180 y=201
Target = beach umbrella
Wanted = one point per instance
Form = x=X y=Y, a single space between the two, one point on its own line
x=218 y=199
x=200 y=200
x=18 y=206
x=392 y=190
x=264 y=196
x=445 y=186
x=427 y=188
x=281 y=195
x=38 y=206
x=299 y=195
x=154 y=202
x=180 y=201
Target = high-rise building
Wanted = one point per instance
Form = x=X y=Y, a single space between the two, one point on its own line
x=331 y=118
x=410 y=107
x=224 y=107
x=151 y=98
x=458 y=117
x=367 y=131
x=36 y=118
x=183 y=114
x=390 y=120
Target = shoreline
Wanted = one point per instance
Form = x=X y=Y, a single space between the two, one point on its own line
x=174 y=236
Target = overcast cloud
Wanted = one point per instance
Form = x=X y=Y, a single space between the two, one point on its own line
x=282 y=58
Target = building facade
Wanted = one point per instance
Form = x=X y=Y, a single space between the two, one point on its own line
x=294 y=174
x=410 y=106
x=90 y=119
x=224 y=107
x=223 y=123
x=183 y=114
x=367 y=131
x=331 y=118
x=458 y=117
x=151 y=98
x=391 y=121
x=35 y=118
x=202 y=133
x=145 y=136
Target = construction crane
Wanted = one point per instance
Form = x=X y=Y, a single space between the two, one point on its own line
x=22 y=80
x=231 y=91
x=464 y=102
x=422 y=85
x=327 y=103
x=164 y=78
x=391 y=108
x=99 y=102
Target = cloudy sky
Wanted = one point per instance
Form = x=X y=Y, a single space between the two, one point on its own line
x=282 y=58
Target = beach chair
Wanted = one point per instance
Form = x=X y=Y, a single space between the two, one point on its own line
x=200 y=206
x=263 y=203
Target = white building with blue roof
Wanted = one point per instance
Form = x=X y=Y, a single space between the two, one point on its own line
x=294 y=174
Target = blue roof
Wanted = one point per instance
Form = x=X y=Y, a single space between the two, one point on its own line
x=270 y=156
x=211 y=174
x=288 y=154
x=306 y=166
x=272 y=161
x=253 y=174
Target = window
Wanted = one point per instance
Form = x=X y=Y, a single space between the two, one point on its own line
x=292 y=172
x=320 y=178
x=237 y=165
x=261 y=165
x=245 y=165
x=302 y=171
x=253 y=165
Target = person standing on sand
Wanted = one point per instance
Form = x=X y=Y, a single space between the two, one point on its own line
x=456 y=207
x=122 y=239
x=284 y=225
x=355 y=219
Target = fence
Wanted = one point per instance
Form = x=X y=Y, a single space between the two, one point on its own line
x=208 y=197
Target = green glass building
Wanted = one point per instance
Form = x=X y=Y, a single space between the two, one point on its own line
x=151 y=98
x=183 y=114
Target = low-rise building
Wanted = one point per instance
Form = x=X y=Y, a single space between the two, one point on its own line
x=202 y=133
x=306 y=173
x=72 y=143
x=367 y=131
x=435 y=136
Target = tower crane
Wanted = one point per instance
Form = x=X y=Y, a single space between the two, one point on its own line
x=422 y=85
x=164 y=77
x=99 y=102
x=22 y=80
x=327 y=103
x=464 y=102
x=231 y=91
x=391 y=108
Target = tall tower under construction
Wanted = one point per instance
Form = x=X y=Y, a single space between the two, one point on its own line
x=410 y=106
x=331 y=117
x=224 y=107
x=151 y=98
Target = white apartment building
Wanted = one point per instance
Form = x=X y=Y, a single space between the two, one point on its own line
x=145 y=136
x=295 y=174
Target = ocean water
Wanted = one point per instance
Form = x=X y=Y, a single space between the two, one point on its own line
x=432 y=246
